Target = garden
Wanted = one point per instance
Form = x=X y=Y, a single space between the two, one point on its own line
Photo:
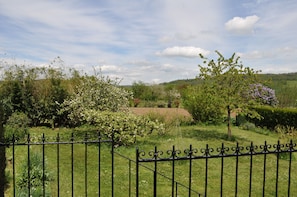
x=227 y=104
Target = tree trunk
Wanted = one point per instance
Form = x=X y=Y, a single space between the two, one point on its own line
x=229 y=122
x=2 y=156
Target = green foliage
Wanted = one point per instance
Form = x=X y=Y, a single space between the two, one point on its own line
x=271 y=117
x=38 y=175
x=148 y=93
x=248 y=126
x=286 y=133
x=285 y=87
x=95 y=93
x=17 y=125
x=125 y=126
x=33 y=91
x=230 y=81
x=203 y=105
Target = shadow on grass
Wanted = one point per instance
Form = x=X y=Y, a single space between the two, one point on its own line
x=207 y=135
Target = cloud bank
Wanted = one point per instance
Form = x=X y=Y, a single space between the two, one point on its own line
x=239 y=25
x=188 y=52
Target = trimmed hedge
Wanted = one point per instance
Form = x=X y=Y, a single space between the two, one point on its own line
x=271 y=117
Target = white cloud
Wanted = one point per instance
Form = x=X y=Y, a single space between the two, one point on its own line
x=183 y=51
x=109 y=68
x=240 y=25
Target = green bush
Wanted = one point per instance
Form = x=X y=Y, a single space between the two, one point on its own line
x=36 y=176
x=125 y=126
x=271 y=117
x=203 y=106
x=248 y=126
x=17 y=125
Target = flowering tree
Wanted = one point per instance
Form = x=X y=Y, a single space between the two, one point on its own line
x=263 y=94
x=95 y=93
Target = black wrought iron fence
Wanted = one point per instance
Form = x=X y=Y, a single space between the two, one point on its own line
x=265 y=170
x=53 y=166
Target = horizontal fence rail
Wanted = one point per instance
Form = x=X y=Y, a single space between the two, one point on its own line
x=36 y=161
x=283 y=153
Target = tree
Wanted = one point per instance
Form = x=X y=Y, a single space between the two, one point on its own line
x=97 y=93
x=230 y=81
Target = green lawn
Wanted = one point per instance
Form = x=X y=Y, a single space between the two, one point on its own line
x=181 y=138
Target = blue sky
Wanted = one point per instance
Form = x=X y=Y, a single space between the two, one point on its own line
x=152 y=41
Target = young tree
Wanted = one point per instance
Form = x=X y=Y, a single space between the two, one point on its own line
x=230 y=81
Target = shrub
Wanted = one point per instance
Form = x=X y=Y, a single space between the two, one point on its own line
x=203 y=105
x=125 y=126
x=271 y=117
x=36 y=176
x=286 y=133
x=248 y=126
x=17 y=125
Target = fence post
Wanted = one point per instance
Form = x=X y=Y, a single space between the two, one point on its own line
x=155 y=171
x=137 y=172
x=2 y=155
x=173 y=172
x=112 y=164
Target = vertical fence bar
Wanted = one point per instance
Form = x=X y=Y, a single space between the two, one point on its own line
x=251 y=168
x=155 y=172
x=190 y=170
x=43 y=164
x=130 y=178
x=13 y=164
x=137 y=172
x=86 y=164
x=72 y=165
x=236 y=169
x=206 y=169
x=173 y=171
x=99 y=163
x=112 y=165
x=58 y=164
x=28 y=163
x=290 y=167
x=278 y=150
x=265 y=147
x=222 y=169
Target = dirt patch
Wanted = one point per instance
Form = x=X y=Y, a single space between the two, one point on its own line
x=168 y=112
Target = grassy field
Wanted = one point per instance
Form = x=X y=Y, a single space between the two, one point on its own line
x=179 y=136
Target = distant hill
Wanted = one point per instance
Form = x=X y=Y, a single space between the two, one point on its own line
x=272 y=77
x=280 y=77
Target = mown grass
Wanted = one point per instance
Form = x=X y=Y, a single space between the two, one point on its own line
x=179 y=136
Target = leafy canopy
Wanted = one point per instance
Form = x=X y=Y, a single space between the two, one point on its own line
x=229 y=80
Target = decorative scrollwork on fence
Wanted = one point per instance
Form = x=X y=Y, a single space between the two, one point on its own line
x=173 y=153
x=223 y=151
x=155 y=154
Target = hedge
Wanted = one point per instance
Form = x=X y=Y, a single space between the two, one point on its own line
x=271 y=117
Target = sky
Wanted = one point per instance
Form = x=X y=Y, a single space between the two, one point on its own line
x=151 y=41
